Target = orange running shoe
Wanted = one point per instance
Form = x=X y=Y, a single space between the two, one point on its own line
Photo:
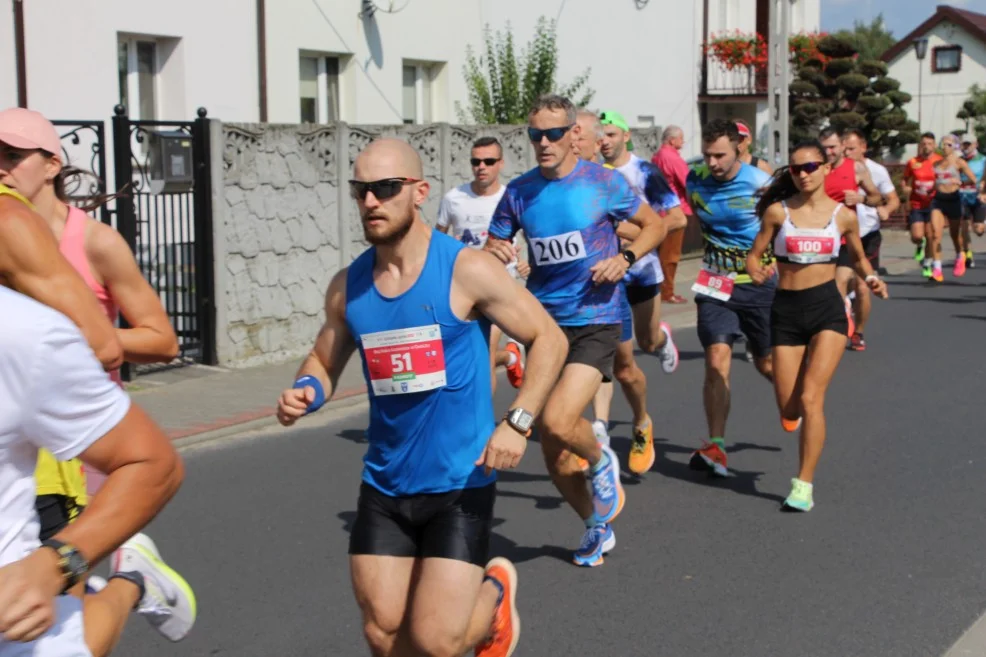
x=790 y=425
x=711 y=458
x=642 y=454
x=515 y=372
x=505 y=628
x=959 y=270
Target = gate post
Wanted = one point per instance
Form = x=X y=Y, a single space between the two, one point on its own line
x=123 y=175
x=202 y=201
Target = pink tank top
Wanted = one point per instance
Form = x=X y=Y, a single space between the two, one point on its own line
x=73 y=248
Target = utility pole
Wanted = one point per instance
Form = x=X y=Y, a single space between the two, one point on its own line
x=779 y=78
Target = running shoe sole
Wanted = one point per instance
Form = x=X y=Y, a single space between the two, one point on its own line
x=702 y=463
x=512 y=583
x=666 y=328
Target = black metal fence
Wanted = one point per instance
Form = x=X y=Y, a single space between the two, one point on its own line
x=162 y=175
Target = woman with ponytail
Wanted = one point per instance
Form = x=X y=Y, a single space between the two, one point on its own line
x=808 y=320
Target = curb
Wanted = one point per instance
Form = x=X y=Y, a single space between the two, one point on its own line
x=679 y=317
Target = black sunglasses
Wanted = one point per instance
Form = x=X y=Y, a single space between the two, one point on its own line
x=807 y=167
x=382 y=189
x=553 y=134
x=488 y=161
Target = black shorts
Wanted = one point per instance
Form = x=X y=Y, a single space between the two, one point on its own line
x=919 y=216
x=799 y=315
x=641 y=293
x=593 y=345
x=871 y=246
x=949 y=205
x=747 y=312
x=973 y=209
x=454 y=525
x=55 y=512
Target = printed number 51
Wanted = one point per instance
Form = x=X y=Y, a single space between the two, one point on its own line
x=400 y=362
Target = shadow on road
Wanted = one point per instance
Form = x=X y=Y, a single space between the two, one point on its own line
x=981 y=318
x=353 y=435
x=953 y=300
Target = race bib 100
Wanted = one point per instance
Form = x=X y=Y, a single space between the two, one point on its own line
x=714 y=285
x=557 y=249
x=808 y=249
x=403 y=361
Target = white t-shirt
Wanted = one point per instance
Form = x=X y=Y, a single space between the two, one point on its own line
x=869 y=220
x=467 y=215
x=53 y=394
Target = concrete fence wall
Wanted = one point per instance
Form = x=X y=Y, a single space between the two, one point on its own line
x=284 y=223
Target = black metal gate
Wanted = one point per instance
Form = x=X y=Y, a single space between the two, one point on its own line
x=163 y=173
x=163 y=211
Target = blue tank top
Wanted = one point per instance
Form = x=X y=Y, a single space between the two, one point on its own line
x=428 y=377
x=978 y=166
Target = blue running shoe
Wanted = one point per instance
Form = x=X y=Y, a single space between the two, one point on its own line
x=596 y=542
x=607 y=490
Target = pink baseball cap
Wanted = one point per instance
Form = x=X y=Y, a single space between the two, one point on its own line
x=23 y=128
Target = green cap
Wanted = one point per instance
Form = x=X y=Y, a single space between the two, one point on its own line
x=615 y=118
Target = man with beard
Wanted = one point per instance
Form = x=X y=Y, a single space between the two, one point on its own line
x=418 y=305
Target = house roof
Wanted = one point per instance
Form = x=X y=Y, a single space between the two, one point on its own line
x=970 y=21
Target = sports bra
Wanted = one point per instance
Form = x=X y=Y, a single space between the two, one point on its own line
x=947 y=175
x=807 y=246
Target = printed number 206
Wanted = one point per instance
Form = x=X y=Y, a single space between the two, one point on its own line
x=552 y=249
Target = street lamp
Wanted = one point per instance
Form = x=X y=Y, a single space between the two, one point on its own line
x=920 y=50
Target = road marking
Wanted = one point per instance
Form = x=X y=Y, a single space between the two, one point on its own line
x=972 y=643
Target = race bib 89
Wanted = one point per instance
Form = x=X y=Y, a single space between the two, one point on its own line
x=557 y=249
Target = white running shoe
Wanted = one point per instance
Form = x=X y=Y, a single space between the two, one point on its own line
x=168 y=603
x=600 y=432
x=668 y=354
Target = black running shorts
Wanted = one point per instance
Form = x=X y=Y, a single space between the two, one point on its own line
x=594 y=345
x=747 y=312
x=453 y=525
x=55 y=512
x=799 y=315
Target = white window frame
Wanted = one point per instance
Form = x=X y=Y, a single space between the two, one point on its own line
x=322 y=84
x=425 y=73
x=133 y=77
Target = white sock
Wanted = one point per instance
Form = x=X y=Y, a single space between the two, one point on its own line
x=511 y=358
x=927 y=262
x=937 y=264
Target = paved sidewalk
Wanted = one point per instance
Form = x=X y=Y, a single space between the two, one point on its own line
x=199 y=403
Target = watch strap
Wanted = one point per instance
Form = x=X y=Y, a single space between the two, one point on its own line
x=72 y=564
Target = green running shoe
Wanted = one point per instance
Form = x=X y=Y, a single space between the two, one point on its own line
x=919 y=251
x=800 y=498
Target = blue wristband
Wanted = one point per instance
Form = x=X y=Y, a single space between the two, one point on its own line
x=309 y=380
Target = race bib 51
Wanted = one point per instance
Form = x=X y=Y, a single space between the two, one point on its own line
x=557 y=249
x=403 y=361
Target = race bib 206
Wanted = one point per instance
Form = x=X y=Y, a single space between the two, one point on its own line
x=557 y=249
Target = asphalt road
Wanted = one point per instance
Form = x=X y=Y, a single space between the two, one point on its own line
x=890 y=561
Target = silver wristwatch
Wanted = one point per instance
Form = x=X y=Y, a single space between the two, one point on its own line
x=520 y=420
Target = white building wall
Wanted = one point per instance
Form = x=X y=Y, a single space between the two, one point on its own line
x=208 y=58
x=942 y=94
x=373 y=53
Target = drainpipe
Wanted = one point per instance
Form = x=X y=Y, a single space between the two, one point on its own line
x=703 y=107
x=262 y=57
x=20 y=53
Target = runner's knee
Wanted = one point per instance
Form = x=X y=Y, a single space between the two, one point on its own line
x=437 y=639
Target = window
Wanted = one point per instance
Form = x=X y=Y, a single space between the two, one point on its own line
x=319 y=88
x=137 y=69
x=416 y=92
x=946 y=59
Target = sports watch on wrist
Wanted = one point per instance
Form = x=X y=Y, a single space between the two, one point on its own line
x=519 y=420
x=73 y=565
x=629 y=256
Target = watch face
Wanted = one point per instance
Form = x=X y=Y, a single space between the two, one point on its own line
x=521 y=419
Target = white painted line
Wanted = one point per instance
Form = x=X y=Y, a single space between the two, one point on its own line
x=972 y=643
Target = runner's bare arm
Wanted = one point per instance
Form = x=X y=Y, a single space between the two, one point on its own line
x=770 y=223
x=144 y=472
x=627 y=231
x=849 y=227
x=150 y=338
x=652 y=233
x=905 y=182
x=967 y=170
x=487 y=289
x=873 y=196
x=675 y=219
x=31 y=263
x=891 y=203
x=333 y=348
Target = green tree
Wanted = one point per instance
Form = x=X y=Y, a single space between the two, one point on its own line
x=839 y=88
x=869 y=40
x=973 y=112
x=504 y=90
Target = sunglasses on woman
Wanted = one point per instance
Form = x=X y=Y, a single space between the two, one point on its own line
x=807 y=167
x=553 y=134
x=382 y=189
